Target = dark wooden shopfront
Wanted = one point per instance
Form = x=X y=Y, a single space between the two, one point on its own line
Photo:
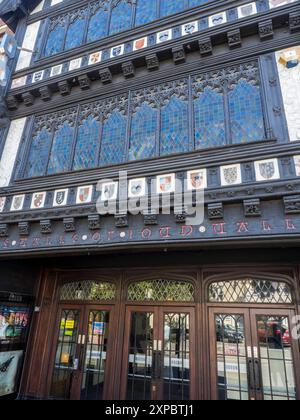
x=173 y=334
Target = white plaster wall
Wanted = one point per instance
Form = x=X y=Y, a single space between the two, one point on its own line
x=10 y=150
x=39 y=7
x=28 y=43
x=290 y=87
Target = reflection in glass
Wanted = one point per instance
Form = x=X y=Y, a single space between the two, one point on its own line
x=140 y=356
x=276 y=358
x=231 y=357
x=95 y=357
x=65 y=354
x=176 y=356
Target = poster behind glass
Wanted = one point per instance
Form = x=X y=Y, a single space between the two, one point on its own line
x=14 y=321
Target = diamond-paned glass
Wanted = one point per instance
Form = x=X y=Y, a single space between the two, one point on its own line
x=209 y=116
x=146 y=11
x=61 y=149
x=169 y=7
x=143 y=133
x=121 y=17
x=75 y=33
x=113 y=139
x=88 y=290
x=250 y=291
x=97 y=28
x=174 y=127
x=38 y=154
x=55 y=41
x=246 y=114
x=87 y=144
x=161 y=291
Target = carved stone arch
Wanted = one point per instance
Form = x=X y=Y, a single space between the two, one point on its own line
x=58 y=20
x=78 y=13
x=266 y=281
x=176 y=88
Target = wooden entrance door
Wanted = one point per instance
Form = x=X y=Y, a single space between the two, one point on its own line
x=159 y=353
x=253 y=355
x=82 y=356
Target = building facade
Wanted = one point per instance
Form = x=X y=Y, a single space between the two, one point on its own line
x=104 y=293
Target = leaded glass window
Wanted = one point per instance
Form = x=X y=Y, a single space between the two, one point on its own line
x=113 y=139
x=169 y=7
x=146 y=11
x=250 y=291
x=246 y=115
x=194 y=3
x=88 y=290
x=56 y=39
x=143 y=133
x=87 y=144
x=161 y=291
x=38 y=154
x=75 y=32
x=61 y=149
x=97 y=28
x=121 y=16
x=174 y=127
x=209 y=118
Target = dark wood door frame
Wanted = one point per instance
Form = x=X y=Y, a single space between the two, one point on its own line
x=249 y=312
x=84 y=310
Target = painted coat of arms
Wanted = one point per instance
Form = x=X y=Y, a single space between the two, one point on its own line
x=60 y=198
x=38 y=200
x=95 y=58
x=84 y=194
x=116 y=51
x=189 y=28
x=109 y=191
x=166 y=184
x=17 y=203
x=230 y=175
x=267 y=170
x=197 y=179
x=137 y=187
x=2 y=203
x=139 y=44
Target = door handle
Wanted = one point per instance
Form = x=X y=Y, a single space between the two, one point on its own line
x=251 y=375
x=157 y=365
x=257 y=374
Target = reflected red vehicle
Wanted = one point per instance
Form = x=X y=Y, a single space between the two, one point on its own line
x=273 y=333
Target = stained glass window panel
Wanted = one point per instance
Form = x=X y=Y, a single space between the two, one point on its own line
x=246 y=114
x=38 y=154
x=174 y=127
x=98 y=25
x=146 y=11
x=61 y=150
x=55 y=41
x=113 y=139
x=169 y=7
x=143 y=133
x=121 y=17
x=87 y=144
x=75 y=33
x=209 y=120
x=194 y=3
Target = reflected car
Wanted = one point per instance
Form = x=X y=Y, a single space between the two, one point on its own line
x=229 y=334
x=274 y=334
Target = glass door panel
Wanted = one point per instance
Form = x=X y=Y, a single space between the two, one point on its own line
x=253 y=354
x=176 y=369
x=66 y=357
x=275 y=357
x=231 y=351
x=94 y=365
x=140 y=360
